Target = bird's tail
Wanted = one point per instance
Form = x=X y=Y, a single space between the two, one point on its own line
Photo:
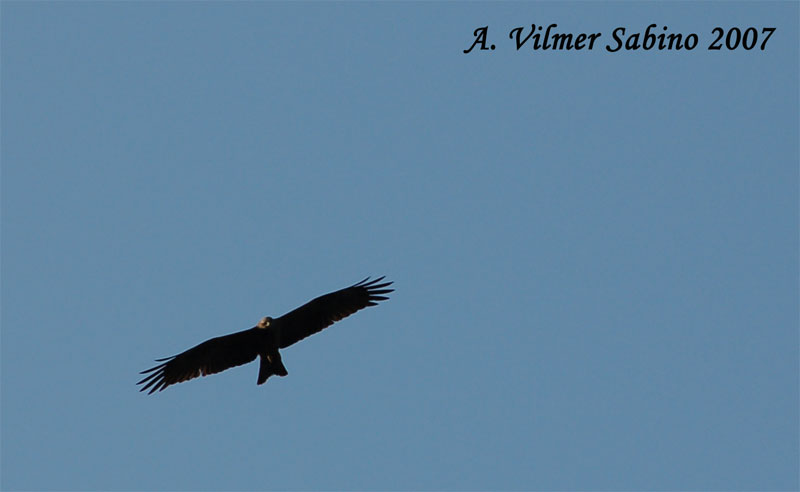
x=271 y=364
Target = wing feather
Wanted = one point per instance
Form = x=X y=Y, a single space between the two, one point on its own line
x=210 y=357
x=320 y=313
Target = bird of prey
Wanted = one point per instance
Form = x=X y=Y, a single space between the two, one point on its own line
x=264 y=339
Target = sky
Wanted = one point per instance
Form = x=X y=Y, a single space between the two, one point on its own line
x=595 y=254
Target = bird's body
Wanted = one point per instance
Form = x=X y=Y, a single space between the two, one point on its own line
x=264 y=339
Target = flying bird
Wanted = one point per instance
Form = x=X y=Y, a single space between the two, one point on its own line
x=264 y=339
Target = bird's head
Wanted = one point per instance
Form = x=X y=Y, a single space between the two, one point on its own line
x=264 y=323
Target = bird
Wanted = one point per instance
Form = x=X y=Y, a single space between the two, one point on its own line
x=264 y=339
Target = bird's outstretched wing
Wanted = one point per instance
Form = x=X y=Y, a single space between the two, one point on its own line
x=324 y=311
x=210 y=357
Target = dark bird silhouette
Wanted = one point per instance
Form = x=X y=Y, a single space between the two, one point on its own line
x=264 y=339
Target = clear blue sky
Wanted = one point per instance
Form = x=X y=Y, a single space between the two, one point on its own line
x=595 y=254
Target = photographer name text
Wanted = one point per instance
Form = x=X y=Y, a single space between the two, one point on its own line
x=652 y=38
